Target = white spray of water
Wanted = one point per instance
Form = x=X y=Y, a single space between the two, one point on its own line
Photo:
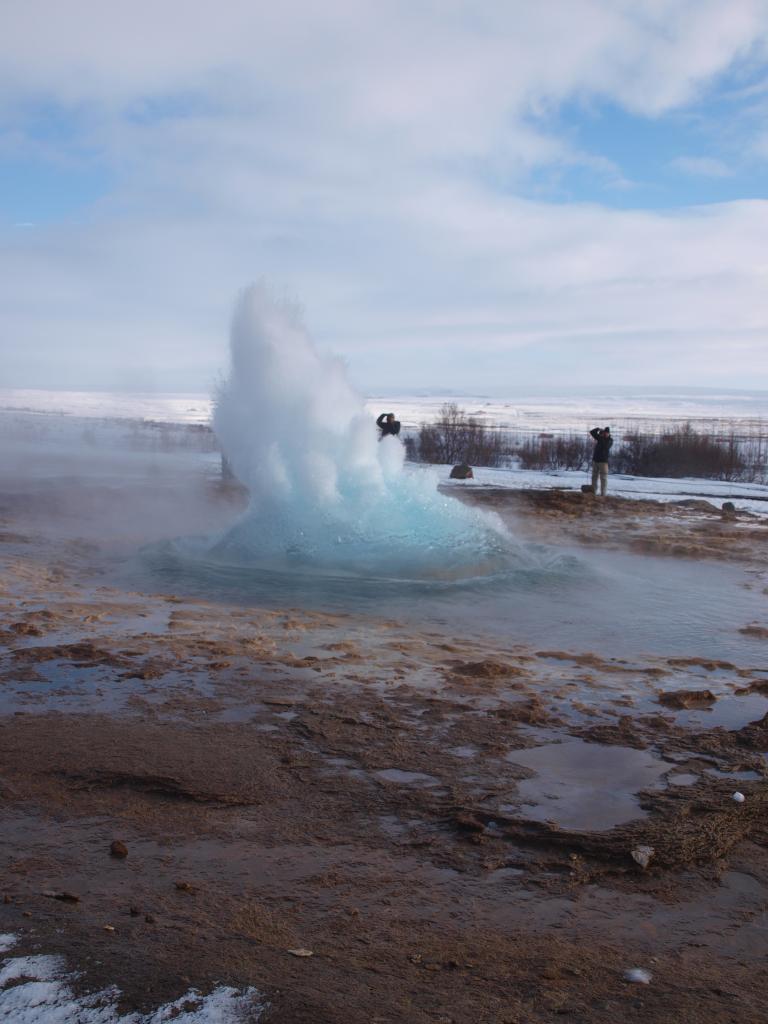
x=326 y=493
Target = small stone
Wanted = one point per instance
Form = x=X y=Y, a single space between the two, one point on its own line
x=109 y=928
x=642 y=855
x=301 y=952
x=738 y=798
x=118 y=849
x=186 y=887
x=638 y=976
x=64 y=897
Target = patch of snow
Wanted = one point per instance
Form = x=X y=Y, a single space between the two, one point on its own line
x=42 y=994
x=638 y=975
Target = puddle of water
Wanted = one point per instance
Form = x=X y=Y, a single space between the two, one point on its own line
x=397 y=828
x=682 y=779
x=727 y=713
x=585 y=786
x=346 y=767
x=406 y=778
x=741 y=776
x=503 y=874
x=234 y=715
x=67 y=688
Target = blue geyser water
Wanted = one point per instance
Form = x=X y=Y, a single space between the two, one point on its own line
x=326 y=495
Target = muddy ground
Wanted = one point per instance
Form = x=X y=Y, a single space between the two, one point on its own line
x=287 y=782
x=686 y=528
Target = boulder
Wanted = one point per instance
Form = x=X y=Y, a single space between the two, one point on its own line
x=587 y=489
x=462 y=472
x=729 y=508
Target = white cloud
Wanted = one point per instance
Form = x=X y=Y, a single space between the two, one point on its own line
x=371 y=157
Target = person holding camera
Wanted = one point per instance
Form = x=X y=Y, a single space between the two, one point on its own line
x=388 y=425
x=603 y=441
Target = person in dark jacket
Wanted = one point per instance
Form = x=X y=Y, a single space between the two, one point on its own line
x=603 y=442
x=388 y=425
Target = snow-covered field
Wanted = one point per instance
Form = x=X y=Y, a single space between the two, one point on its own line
x=161 y=408
x=744 y=412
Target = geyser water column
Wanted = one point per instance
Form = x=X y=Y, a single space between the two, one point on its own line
x=326 y=495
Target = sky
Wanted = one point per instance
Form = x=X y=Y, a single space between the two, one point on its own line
x=474 y=196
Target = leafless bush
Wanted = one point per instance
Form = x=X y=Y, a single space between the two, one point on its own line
x=455 y=437
x=569 y=451
x=681 y=452
x=678 y=452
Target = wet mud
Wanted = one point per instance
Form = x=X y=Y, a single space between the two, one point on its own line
x=457 y=830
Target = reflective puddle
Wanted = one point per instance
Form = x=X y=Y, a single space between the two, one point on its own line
x=585 y=786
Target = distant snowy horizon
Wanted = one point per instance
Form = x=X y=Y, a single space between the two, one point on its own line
x=522 y=410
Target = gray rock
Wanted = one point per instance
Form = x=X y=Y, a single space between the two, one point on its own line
x=462 y=472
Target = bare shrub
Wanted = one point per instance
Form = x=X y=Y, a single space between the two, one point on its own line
x=569 y=451
x=681 y=452
x=455 y=437
x=677 y=452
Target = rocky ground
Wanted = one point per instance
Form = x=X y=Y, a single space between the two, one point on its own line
x=454 y=830
x=686 y=528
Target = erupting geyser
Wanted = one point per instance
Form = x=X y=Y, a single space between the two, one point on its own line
x=325 y=494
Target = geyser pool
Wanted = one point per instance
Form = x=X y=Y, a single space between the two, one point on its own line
x=617 y=604
x=326 y=495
